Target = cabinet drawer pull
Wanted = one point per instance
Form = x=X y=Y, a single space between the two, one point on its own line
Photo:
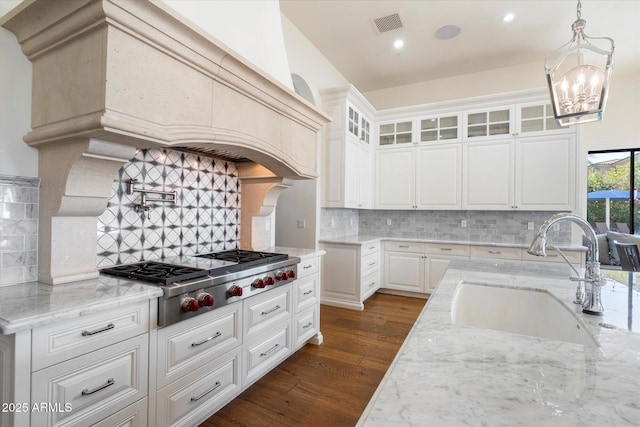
x=372 y=247
x=270 y=311
x=109 y=382
x=271 y=350
x=195 y=344
x=403 y=246
x=309 y=292
x=372 y=284
x=97 y=331
x=372 y=264
x=446 y=249
x=307 y=325
x=196 y=398
x=308 y=266
x=495 y=252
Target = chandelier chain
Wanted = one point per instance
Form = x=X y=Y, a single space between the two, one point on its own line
x=579 y=9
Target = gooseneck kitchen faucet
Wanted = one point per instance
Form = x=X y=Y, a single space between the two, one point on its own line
x=589 y=298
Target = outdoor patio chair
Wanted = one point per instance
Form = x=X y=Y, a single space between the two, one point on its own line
x=601 y=227
x=622 y=227
x=629 y=256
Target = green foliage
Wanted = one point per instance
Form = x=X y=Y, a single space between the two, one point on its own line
x=617 y=178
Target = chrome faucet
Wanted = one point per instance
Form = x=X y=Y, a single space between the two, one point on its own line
x=589 y=298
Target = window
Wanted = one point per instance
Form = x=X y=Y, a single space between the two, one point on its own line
x=612 y=190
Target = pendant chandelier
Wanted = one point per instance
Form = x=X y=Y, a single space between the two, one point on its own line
x=578 y=77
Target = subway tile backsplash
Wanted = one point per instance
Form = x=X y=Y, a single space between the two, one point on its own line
x=18 y=229
x=205 y=217
x=482 y=226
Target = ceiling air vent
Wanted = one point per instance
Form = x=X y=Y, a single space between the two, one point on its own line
x=388 y=23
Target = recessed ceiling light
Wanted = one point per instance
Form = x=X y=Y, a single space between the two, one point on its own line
x=508 y=17
x=447 y=32
x=398 y=43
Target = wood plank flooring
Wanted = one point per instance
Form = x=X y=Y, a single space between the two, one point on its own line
x=330 y=384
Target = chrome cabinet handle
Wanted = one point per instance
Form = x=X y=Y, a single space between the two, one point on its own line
x=308 y=266
x=271 y=350
x=495 y=252
x=97 y=331
x=270 y=311
x=109 y=382
x=309 y=292
x=372 y=263
x=446 y=249
x=307 y=325
x=195 y=344
x=403 y=246
x=196 y=398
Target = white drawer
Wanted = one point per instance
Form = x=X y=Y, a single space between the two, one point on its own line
x=266 y=309
x=132 y=416
x=370 y=248
x=187 y=345
x=398 y=246
x=496 y=252
x=304 y=326
x=370 y=263
x=369 y=285
x=446 y=249
x=305 y=293
x=61 y=341
x=191 y=399
x=95 y=385
x=576 y=257
x=308 y=266
x=264 y=352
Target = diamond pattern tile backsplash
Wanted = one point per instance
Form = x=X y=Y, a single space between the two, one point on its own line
x=205 y=217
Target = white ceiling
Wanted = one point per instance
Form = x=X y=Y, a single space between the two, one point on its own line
x=343 y=31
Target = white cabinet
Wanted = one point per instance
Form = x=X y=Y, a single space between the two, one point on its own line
x=438 y=257
x=405 y=266
x=347 y=171
x=536 y=119
x=488 y=123
x=350 y=273
x=535 y=173
x=306 y=303
x=419 y=177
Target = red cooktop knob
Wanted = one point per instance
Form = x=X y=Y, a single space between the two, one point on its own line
x=235 y=291
x=205 y=299
x=291 y=274
x=190 y=304
x=269 y=280
x=258 y=283
x=281 y=275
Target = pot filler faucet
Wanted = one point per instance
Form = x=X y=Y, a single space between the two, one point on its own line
x=589 y=299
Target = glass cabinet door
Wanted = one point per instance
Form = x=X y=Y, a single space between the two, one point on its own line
x=353 y=120
x=396 y=133
x=537 y=118
x=489 y=123
x=364 y=130
x=436 y=129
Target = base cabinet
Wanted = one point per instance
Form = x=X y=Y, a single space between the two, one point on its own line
x=350 y=273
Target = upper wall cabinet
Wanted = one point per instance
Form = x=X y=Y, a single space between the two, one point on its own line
x=488 y=123
x=396 y=133
x=536 y=118
x=440 y=129
x=347 y=155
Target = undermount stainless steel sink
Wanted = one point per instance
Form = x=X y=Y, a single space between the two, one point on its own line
x=523 y=311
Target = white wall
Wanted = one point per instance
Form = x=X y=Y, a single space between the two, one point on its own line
x=16 y=157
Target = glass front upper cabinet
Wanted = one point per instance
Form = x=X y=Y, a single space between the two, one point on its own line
x=358 y=125
x=488 y=123
x=439 y=129
x=534 y=118
x=396 y=133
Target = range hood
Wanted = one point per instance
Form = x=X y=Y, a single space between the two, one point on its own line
x=113 y=76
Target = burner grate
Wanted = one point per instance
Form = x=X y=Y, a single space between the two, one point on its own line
x=156 y=272
x=249 y=258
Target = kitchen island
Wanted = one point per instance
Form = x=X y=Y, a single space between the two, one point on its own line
x=448 y=374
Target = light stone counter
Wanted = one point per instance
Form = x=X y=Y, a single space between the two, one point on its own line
x=358 y=239
x=33 y=304
x=453 y=375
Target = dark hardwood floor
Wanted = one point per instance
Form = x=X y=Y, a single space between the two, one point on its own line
x=330 y=384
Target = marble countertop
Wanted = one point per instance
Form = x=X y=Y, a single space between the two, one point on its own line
x=33 y=304
x=455 y=375
x=358 y=239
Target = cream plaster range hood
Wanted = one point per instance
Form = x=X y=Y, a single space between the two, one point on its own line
x=112 y=76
